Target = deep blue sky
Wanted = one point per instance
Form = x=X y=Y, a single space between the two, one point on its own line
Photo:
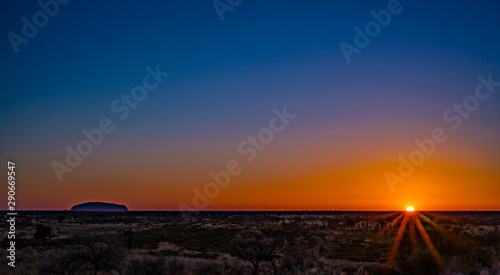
x=227 y=76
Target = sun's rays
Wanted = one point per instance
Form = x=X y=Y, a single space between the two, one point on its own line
x=413 y=234
x=444 y=217
x=431 y=222
x=399 y=236
x=450 y=236
x=428 y=243
x=393 y=223
x=412 y=221
x=384 y=217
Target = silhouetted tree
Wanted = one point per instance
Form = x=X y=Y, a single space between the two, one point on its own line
x=256 y=249
x=101 y=254
x=42 y=232
x=298 y=258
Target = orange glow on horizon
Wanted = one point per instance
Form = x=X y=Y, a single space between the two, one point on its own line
x=268 y=184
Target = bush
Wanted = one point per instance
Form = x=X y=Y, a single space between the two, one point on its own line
x=101 y=254
x=256 y=249
x=62 y=262
x=419 y=262
x=298 y=258
x=42 y=231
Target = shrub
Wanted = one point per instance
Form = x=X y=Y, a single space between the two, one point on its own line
x=298 y=258
x=62 y=262
x=42 y=231
x=256 y=249
x=420 y=261
x=100 y=254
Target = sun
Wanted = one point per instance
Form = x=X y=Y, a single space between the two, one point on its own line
x=410 y=209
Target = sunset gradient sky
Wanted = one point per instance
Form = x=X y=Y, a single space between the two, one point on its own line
x=226 y=77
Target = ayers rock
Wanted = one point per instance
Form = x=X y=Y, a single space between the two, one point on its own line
x=99 y=206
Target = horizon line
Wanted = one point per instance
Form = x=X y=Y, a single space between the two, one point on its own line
x=256 y=210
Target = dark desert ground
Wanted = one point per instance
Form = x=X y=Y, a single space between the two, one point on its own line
x=322 y=242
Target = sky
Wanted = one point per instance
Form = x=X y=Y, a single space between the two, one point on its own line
x=232 y=68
